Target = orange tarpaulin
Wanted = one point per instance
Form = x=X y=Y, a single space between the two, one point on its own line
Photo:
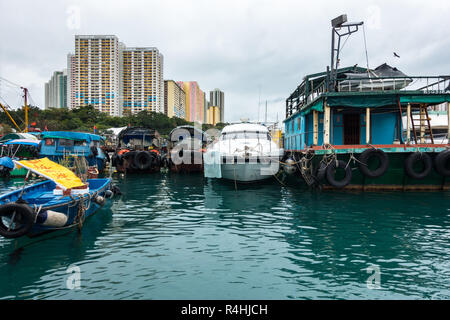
x=46 y=168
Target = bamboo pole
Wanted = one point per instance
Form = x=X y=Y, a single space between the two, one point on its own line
x=448 y=123
x=422 y=123
x=326 y=124
x=316 y=127
x=408 y=123
x=367 y=125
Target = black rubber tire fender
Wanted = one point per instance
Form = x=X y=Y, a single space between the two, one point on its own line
x=24 y=215
x=321 y=171
x=412 y=159
x=442 y=163
x=331 y=169
x=143 y=160
x=364 y=159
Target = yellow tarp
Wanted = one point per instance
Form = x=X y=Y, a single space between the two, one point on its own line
x=44 y=167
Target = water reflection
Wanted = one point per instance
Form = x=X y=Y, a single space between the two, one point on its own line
x=183 y=236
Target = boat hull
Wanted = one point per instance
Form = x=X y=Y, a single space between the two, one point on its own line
x=40 y=198
x=395 y=177
x=244 y=172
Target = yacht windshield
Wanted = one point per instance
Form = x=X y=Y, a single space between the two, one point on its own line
x=246 y=135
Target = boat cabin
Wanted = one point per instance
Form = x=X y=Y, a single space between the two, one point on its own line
x=363 y=108
x=62 y=144
x=139 y=139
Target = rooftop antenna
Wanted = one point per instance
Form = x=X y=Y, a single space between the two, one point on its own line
x=337 y=24
x=265 y=117
x=259 y=100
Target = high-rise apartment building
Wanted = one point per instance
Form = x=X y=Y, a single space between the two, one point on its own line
x=96 y=73
x=213 y=115
x=217 y=99
x=142 y=80
x=71 y=81
x=194 y=101
x=56 y=90
x=174 y=100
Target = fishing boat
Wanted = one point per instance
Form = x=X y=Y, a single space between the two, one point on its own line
x=185 y=149
x=350 y=135
x=244 y=152
x=137 y=151
x=63 y=201
x=18 y=149
x=59 y=145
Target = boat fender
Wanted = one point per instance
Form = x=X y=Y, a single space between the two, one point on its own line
x=51 y=218
x=331 y=170
x=100 y=200
x=24 y=218
x=109 y=194
x=289 y=166
x=418 y=157
x=321 y=171
x=116 y=190
x=143 y=160
x=364 y=160
x=442 y=163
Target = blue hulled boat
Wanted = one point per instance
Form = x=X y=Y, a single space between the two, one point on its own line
x=50 y=205
x=59 y=144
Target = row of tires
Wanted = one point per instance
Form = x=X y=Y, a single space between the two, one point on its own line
x=441 y=164
x=138 y=160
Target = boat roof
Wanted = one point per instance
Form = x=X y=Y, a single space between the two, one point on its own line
x=81 y=136
x=240 y=127
x=191 y=130
x=18 y=135
x=369 y=99
x=25 y=142
x=137 y=131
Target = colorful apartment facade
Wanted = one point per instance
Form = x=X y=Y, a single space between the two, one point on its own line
x=96 y=73
x=142 y=79
x=174 y=100
x=194 y=101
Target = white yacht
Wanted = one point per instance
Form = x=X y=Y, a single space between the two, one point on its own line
x=244 y=152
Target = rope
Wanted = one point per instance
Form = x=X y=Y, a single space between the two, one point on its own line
x=365 y=48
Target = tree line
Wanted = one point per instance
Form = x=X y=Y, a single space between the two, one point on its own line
x=84 y=119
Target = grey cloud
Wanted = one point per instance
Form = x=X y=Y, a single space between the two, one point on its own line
x=237 y=46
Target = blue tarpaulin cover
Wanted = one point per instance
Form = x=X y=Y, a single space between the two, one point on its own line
x=7 y=162
x=71 y=135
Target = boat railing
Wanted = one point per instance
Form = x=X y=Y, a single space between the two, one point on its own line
x=428 y=84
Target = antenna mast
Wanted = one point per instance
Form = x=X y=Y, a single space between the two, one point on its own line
x=349 y=28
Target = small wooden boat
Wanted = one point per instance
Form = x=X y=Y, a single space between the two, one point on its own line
x=185 y=149
x=137 y=151
x=62 y=202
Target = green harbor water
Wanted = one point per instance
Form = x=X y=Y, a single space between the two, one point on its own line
x=185 y=237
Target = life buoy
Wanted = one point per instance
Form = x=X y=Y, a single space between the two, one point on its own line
x=418 y=157
x=364 y=161
x=143 y=160
x=442 y=163
x=22 y=220
x=331 y=170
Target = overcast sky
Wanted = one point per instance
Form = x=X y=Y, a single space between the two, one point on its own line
x=248 y=49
